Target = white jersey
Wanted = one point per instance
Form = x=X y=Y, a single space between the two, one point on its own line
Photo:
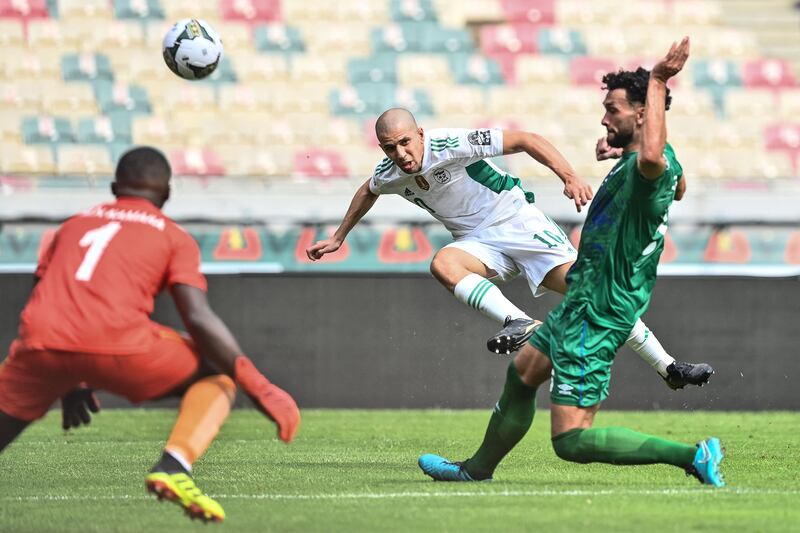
x=455 y=184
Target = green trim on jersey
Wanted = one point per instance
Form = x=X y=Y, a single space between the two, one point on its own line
x=437 y=145
x=495 y=179
x=384 y=165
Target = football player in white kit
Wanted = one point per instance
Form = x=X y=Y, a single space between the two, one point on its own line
x=499 y=233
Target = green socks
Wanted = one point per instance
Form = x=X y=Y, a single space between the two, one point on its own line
x=620 y=446
x=511 y=419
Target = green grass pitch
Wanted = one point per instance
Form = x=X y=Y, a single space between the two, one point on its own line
x=354 y=470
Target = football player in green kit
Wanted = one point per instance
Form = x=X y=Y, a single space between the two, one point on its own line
x=609 y=289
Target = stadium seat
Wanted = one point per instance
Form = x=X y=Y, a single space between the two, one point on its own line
x=15 y=159
x=105 y=129
x=277 y=37
x=138 y=66
x=10 y=120
x=24 y=10
x=696 y=12
x=605 y=41
x=209 y=10
x=115 y=34
x=138 y=9
x=69 y=100
x=447 y=41
x=784 y=136
x=188 y=97
x=319 y=68
x=531 y=11
x=49 y=33
x=121 y=97
x=319 y=163
x=421 y=70
x=412 y=10
x=322 y=130
x=11 y=34
x=790 y=103
x=156 y=131
x=589 y=71
x=396 y=38
x=508 y=38
x=768 y=73
x=86 y=67
x=541 y=69
x=196 y=162
x=83 y=160
x=560 y=41
x=728 y=43
x=449 y=100
x=46 y=129
x=237 y=37
x=365 y=99
x=755 y=104
x=240 y=98
x=251 y=11
x=475 y=70
x=361 y=160
x=716 y=73
x=380 y=68
x=72 y=10
x=344 y=39
x=242 y=160
x=303 y=98
x=24 y=97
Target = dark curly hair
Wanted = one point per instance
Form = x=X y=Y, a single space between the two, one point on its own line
x=634 y=83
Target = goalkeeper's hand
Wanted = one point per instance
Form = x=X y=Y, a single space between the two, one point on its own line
x=270 y=399
x=75 y=407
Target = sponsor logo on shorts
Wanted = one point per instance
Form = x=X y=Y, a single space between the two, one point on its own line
x=480 y=137
x=408 y=192
x=565 y=389
x=442 y=175
x=422 y=183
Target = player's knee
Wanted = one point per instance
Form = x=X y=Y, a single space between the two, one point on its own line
x=442 y=270
x=225 y=383
x=567 y=446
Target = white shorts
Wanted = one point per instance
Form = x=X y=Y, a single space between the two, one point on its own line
x=530 y=244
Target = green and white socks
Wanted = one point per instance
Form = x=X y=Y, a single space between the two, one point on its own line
x=483 y=295
x=643 y=342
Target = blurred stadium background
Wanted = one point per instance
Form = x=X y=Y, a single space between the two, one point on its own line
x=268 y=152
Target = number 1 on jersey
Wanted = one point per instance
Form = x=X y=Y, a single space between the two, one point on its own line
x=97 y=240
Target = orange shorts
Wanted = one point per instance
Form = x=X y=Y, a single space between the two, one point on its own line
x=32 y=380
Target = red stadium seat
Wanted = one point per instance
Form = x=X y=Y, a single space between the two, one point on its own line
x=253 y=11
x=508 y=65
x=590 y=70
x=783 y=137
x=771 y=73
x=535 y=11
x=508 y=38
x=24 y=9
x=196 y=162
x=319 y=163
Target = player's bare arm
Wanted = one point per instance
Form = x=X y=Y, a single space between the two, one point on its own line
x=362 y=202
x=604 y=151
x=215 y=342
x=651 y=160
x=545 y=153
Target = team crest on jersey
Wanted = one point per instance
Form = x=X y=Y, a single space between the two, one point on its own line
x=480 y=137
x=422 y=183
x=442 y=175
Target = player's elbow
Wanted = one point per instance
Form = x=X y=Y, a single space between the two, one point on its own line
x=651 y=165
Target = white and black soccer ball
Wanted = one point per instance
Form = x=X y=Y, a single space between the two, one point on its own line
x=192 y=49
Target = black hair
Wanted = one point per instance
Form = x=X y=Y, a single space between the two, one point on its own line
x=634 y=83
x=142 y=163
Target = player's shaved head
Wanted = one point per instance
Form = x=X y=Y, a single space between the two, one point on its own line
x=401 y=139
x=143 y=172
x=393 y=120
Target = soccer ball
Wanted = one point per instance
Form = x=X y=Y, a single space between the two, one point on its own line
x=192 y=49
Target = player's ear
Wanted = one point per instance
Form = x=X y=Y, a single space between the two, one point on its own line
x=639 y=115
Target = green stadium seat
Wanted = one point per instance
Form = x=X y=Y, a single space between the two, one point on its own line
x=121 y=97
x=224 y=73
x=475 y=70
x=278 y=38
x=412 y=10
x=560 y=41
x=380 y=68
x=113 y=128
x=86 y=67
x=716 y=73
x=138 y=9
x=446 y=40
x=45 y=129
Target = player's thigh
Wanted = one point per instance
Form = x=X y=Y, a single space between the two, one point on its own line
x=168 y=368
x=475 y=255
x=564 y=418
x=33 y=380
x=533 y=366
x=10 y=428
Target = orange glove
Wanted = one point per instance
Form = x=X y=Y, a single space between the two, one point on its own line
x=270 y=399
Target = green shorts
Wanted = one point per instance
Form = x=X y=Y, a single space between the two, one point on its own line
x=581 y=353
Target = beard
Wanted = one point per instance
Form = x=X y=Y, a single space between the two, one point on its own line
x=621 y=139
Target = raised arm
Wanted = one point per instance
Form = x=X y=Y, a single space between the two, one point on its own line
x=362 y=202
x=215 y=342
x=545 y=153
x=651 y=160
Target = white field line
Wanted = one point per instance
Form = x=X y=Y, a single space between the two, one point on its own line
x=424 y=494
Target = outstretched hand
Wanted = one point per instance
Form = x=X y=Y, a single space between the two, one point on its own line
x=274 y=402
x=75 y=407
x=605 y=151
x=320 y=248
x=673 y=62
x=577 y=190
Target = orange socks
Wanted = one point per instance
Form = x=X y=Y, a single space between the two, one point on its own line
x=204 y=408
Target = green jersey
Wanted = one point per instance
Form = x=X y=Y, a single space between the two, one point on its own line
x=621 y=242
